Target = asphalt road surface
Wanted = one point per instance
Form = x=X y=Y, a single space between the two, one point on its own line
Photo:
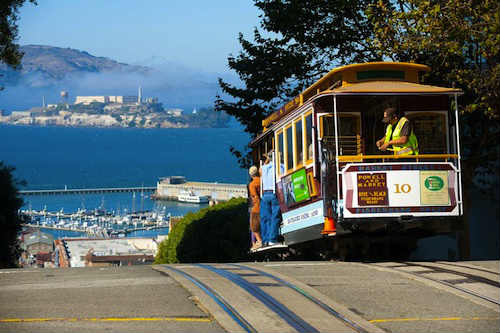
x=254 y=297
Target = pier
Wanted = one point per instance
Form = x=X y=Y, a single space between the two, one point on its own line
x=124 y=230
x=216 y=191
x=89 y=190
x=29 y=225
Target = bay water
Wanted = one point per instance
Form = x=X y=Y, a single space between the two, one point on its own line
x=59 y=157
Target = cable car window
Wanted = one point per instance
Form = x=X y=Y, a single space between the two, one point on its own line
x=327 y=126
x=289 y=148
x=280 y=152
x=299 y=151
x=350 y=142
x=309 y=147
x=269 y=143
x=349 y=125
x=431 y=131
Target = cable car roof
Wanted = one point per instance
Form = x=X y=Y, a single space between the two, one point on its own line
x=390 y=87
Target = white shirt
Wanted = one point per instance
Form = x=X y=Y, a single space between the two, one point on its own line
x=268 y=177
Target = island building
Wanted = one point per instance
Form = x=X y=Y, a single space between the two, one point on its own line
x=86 y=100
x=20 y=114
x=175 y=112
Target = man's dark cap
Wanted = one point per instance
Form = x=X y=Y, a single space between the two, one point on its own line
x=391 y=113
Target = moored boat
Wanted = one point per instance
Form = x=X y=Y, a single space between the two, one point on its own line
x=190 y=196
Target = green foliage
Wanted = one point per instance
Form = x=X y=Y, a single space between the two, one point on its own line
x=10 y=222
x=9 y=50
x=205 y=117
x=300 y=40
x=460 y=41
x=213 y=234
x=305 y=38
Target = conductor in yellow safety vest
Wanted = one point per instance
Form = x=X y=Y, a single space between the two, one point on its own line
x=399 y=133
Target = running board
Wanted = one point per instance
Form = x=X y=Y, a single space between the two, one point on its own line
x=270 y=247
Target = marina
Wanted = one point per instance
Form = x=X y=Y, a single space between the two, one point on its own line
x=98 y=223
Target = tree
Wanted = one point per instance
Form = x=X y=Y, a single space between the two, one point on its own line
x=213 y=234
x=302 y=40
x=460 y=40
x=10 y=221
x=9 y=50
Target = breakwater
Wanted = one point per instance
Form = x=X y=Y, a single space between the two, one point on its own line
x=88 y=190
x=216 y=191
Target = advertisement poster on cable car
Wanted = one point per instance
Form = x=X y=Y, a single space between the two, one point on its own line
x=382 y=190
x=295 y=187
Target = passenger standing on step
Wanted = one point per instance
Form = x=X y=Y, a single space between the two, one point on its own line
x=254 y=196
x=270 y=213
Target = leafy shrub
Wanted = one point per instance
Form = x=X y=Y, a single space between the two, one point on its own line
x=214 y=234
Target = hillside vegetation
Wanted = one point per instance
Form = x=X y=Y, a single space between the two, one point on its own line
x=55 y=63
x=214 y=234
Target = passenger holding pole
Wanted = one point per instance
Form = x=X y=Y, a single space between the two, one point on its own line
x=270 y=213
x=399 y=133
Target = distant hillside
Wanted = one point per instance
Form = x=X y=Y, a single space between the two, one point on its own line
x=47 y=70
x=55 y=63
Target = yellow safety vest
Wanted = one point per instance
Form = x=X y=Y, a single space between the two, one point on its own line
x=410 y=147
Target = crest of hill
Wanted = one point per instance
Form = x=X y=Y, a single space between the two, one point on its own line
x=57 y=63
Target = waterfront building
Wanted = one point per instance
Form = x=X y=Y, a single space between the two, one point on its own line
x=166 y=189
x=37 y=248
x=37 y=241
x=84 y=252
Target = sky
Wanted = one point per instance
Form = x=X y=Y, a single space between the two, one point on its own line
x=198 y=34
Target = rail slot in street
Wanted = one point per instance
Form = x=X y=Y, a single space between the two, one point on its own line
x=477 y=285
x=267 y=298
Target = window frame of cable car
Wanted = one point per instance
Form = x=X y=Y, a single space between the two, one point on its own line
x=308 y=159
x=284 y=131
x=342 y=115
x=288 y=168
x=444 y=125
x=298 y=163
x=265 y=146
x=278 y=152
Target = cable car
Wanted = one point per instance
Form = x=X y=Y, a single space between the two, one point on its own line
x=331 y=177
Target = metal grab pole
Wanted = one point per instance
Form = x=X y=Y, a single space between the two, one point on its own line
x=457 y=133
x=336 y=149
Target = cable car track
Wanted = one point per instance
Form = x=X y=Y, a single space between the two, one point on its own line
x=324 y=306
x=451 y=283
x=235 y=315
x=253 y=282
x=272 y=303
x=479 y=269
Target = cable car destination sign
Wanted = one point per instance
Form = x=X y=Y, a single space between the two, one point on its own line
x=372 y=189
x=379 y=190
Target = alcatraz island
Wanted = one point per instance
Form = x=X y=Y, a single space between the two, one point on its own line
x=114 y=111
